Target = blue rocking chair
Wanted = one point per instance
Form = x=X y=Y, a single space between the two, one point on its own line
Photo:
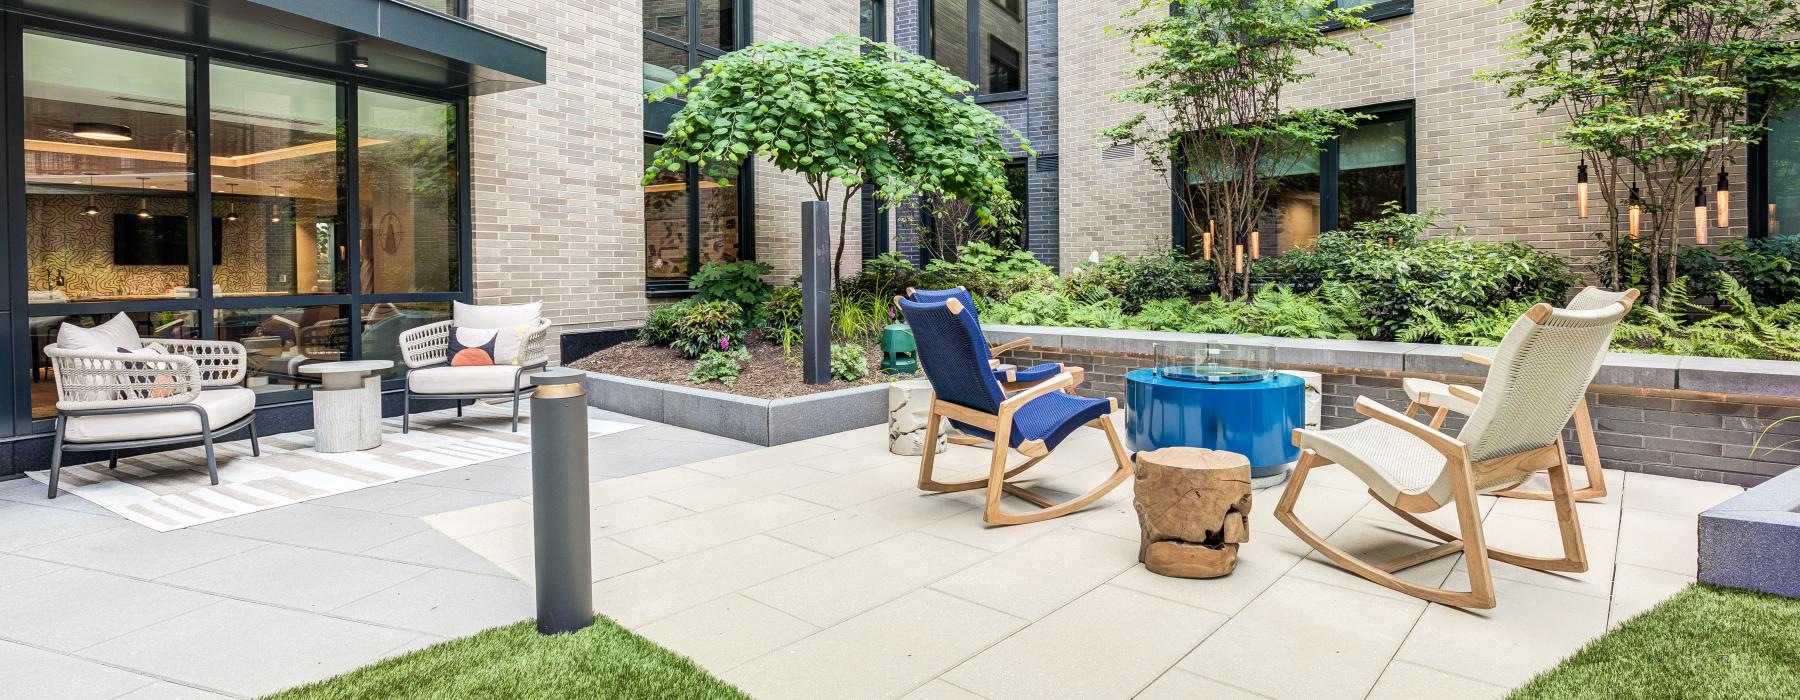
x=1033 y=421
x=1010 y=378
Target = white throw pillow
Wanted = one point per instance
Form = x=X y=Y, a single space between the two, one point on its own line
x=118 y=332
x=496 y=316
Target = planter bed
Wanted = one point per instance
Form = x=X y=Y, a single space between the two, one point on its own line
x=753 y=420
x=1753 y=540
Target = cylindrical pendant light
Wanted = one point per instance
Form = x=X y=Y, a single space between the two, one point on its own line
x=1255 y=245
x=1206 y=241
x=1635 y=212
x=1238 y=256
x=231 y=204
x=143 y=211
x=275 y=208
x=1581 y=190
x=1700 y=214
x=1724 y=199
x=91 y=210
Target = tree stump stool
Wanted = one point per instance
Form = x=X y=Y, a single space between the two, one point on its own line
x=1193 y=506
x=909 y=406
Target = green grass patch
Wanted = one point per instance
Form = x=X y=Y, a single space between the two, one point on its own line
x=1705 y=642
x=602 y=661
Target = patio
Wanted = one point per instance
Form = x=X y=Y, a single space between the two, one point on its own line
x=813 y=569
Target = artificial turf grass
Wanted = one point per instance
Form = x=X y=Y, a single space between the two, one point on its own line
x=602 y=661
x=1705 y=642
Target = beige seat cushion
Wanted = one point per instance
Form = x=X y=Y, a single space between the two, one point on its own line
x=1435 y=395
x=496 y=315
x=222 y=406
x=477 y=379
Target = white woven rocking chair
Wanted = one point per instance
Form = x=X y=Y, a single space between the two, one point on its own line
x=1537 y=378
x=1436 y=397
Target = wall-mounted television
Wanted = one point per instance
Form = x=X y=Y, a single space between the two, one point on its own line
x=158 y=240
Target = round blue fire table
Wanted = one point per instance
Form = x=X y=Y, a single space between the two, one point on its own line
x=1254 y=419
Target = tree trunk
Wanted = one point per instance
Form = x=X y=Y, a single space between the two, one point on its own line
x=1193 y=507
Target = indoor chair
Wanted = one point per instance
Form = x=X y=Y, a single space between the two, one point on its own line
x=1537 y=378
x=1032 y=421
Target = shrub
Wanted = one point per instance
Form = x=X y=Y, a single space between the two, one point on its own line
x=859 y=318
x=659 y=327
x=886 y=276
x=1164 y=274
x=1740 y=328
x=1768 y=268
x=708 y=325
x=988 y=271
x=722 y=366
x=848 y=363
x=781 y=316
x=739 y=282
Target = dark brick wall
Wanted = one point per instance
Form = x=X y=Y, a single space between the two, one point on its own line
x=1686 y=434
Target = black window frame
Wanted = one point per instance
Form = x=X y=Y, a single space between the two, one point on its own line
x=200 y=58
x=1328 y=175
x=976 y=48
x=1380 y=10
x=656 y=121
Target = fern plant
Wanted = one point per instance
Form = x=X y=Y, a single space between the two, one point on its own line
x=722 y=366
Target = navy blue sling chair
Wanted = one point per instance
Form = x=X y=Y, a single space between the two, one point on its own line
x=1010 y=378
x=1032 y=421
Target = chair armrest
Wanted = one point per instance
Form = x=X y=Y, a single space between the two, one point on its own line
x=533 y=352
x=1466 y=393
x=1452 y=448
x=426 y=345
x=1010 y=345
x=221 y=362
x=1058 y=383
x=1477 y=358
x=91 y=379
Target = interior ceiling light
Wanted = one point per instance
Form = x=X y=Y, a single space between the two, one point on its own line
x=275 y=209
x=360 y=62
x=143 y=211
x=91 y=210
x=101 y=131
x=231 y=212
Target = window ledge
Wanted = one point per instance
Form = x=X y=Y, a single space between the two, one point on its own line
x=1015 y=96
x=1388 y=9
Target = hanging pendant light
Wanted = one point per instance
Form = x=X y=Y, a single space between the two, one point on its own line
x=143 y=211
x=1700 y=214
x=275 y=209
x=91 y=210
x=1724 y=199
x=231 y=204
x=1238 y=257
x=1255 y=245
x=1636 y=211
x=1581 y=190
x=1206 y=239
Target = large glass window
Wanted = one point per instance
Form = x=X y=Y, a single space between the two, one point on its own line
x=276 y=143
x=41 y=331
x=409 y=192
x=108 y=169
x=1351 y=180
x=689 y=220
x=682 y=34
x=983 y=41
x=280 y=340
x=1781 y=177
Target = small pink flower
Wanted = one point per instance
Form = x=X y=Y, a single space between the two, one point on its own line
x=724 y=342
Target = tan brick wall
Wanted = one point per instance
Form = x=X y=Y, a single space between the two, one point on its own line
x=1109 y=205
x=557 y=209
x=779 y=194
x=1485 y=164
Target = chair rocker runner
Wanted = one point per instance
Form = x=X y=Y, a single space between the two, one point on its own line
x=1011 y=379
x=1437 y=397
x=1032 y=421
x=1537 y=378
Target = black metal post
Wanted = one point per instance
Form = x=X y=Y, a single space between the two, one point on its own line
x=815 y=291
x=559 y=508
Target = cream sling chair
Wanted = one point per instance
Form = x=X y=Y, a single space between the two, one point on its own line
x=1436 y=396
x=1543 y=366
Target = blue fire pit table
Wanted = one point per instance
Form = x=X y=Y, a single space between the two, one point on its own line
x=1254 y=419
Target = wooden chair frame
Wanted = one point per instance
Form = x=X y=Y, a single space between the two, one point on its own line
x=1584 y=440
x=1035 y=451
x=1471 y=542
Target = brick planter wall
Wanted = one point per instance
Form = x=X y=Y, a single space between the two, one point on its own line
x=1689 y=417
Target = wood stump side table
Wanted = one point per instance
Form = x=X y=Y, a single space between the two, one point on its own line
x=909 y=405
x=1193 y=507
x=347 y=404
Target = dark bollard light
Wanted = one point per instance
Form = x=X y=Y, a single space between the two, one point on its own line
x=559 y=509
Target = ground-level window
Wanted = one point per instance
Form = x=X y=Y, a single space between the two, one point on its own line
x=304 y=216
x=690 y=220
x=1352 y=180
x=983 y=41
x=946 y=225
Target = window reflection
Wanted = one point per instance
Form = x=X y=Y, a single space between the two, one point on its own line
x=408 y=182
x=42 y=332
x=108 y=164
x=718 y=222
x=275 y=152
x=662 y=65
x=950 y=35
x=383 y=323
x=279 y=340
x=1003 y=34
x=667 y=17
x=665 y=222
x=718 y=24
x=1371 y=169
x=1784 y=175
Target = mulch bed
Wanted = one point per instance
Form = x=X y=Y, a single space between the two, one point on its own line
x=770 y=374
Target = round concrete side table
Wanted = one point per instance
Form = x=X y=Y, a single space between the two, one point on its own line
x=347 y=404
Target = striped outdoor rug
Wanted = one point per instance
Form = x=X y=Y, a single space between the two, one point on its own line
x=170 y=490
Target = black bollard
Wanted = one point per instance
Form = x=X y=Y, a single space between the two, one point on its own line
x=559 y=489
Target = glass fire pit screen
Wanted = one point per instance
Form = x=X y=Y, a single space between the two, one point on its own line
x=1212 y=363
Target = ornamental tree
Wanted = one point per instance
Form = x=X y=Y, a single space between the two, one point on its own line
x=1658 y=95
x=1210 y=114
x=852 y=112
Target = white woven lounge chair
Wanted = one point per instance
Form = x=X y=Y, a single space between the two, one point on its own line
x=429 y=374
x=107 y=400
x=1537 y=378
x=1436 y=397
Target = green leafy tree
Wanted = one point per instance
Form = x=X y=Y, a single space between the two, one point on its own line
x=854 y=113
x=1656 y=92
x=1210 y=114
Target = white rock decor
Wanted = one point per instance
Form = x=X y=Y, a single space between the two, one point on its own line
x=1315 y=390
x=909 y=404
